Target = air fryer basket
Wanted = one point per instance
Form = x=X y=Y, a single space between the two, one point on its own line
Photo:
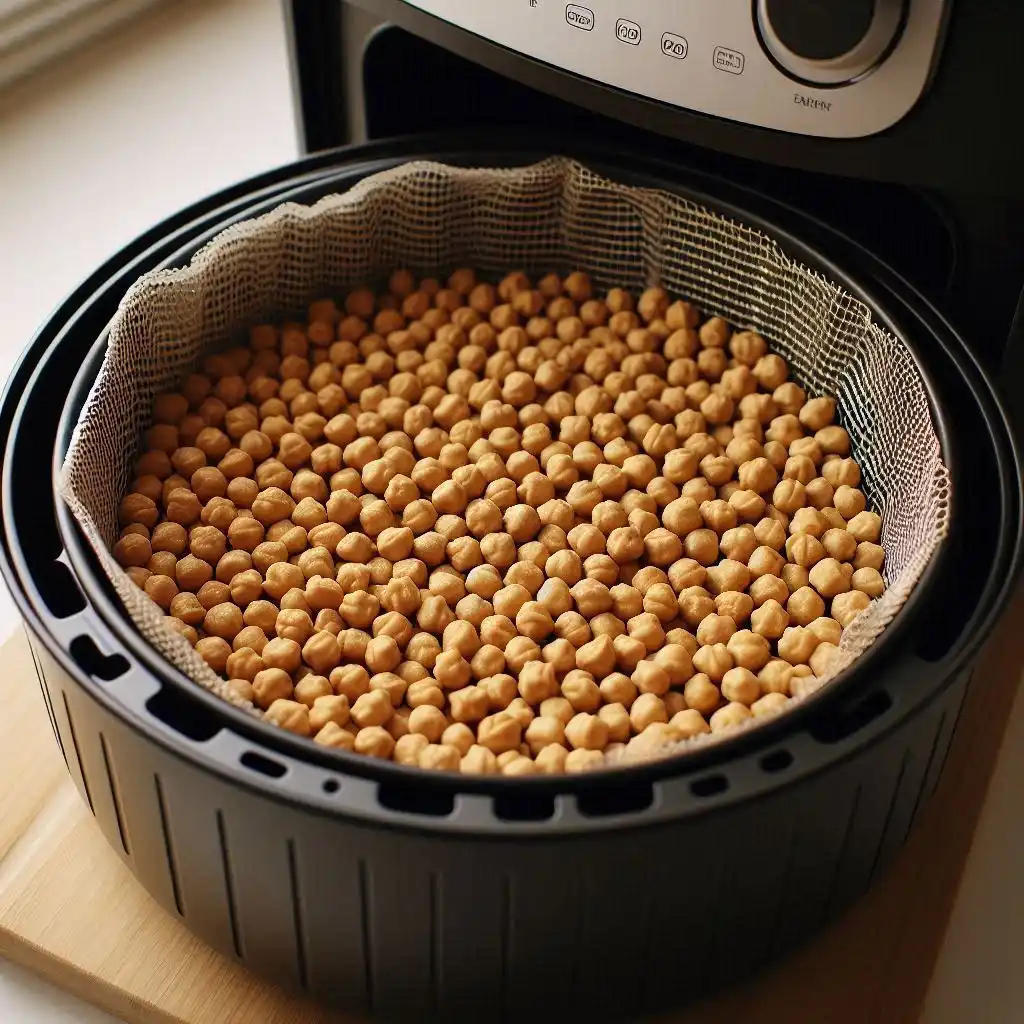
x=403 y=895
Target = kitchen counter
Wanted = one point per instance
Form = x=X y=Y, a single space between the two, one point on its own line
x=186 y=100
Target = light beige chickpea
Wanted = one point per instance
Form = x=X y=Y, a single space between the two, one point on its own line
x=839 y=544
x=647 y=709
x=828 y=578
x=869 y=581
x=478 y=760
x=821 y=659
x=776 y=677
x=729 y=717
x=804 y=606
x=797 y=644
x=714 y=660
x=597 y=656
x=675 y=660
x=770 y=619
x=868 y=556
x=749 y=649
x=850 y=501
x=451 y=670
x=769 y=705
x=581 y=691
x=618 y=688
x=650 y=677
x=846 y=607
x=727 y=575
x=866 y=527
x=740 y=685
x=715 y=629
x=577 y=761
x=660 y=600
x=695 y=604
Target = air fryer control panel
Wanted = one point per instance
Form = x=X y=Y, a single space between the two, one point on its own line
x=828 y=68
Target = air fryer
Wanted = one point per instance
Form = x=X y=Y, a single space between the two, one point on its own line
x=438 y=897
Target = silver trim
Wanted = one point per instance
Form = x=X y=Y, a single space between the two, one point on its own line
x=760 y=94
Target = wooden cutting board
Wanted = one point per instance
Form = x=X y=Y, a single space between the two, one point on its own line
x=73 y=913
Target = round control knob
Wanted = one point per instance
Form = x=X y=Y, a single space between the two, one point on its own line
x=829 y=42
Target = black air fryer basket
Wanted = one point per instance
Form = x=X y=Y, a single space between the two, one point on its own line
x=405 y=893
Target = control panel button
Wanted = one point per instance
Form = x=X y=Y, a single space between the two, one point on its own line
x=627 y=32
x=829 y=43
x=580 y=17
x=673 y=45
x=729 y=60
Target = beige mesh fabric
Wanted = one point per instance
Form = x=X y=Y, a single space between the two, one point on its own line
x=556 y=215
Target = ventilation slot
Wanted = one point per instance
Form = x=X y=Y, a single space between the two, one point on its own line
x=410 y=798
x=59 y=589
x=172 y=867
x=263 y=765
x=612 y=800
x=115 y=795
x=777 y=761
x=229 y=886
x=300 y=931
x=92 y=660
x=524 y=806
x=844 y=725
x=710 y=785
x=184 y=716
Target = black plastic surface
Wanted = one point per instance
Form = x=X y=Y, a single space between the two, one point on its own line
x=330 y=882
x=820 y=29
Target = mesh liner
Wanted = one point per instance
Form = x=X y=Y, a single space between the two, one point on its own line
x=555 y=215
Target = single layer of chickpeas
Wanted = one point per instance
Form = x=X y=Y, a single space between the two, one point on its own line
x=503 y=529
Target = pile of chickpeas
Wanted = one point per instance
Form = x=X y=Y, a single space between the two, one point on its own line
x=517 y=528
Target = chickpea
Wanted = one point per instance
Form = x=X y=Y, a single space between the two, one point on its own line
x=847 y=606
x=729 y=717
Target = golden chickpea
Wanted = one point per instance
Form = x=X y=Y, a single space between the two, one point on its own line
x=269 y=685
x=804 y=606
x=223 y=620
x=374 y=741
x=537 y=682
x=749 y=649
x=499 y=733
x=586 y=732
x=828 y=579
x=372 y=709
x=713 y=660
x=542 y=732
x=289 y=715
x=701 y=694
x=821 y=659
